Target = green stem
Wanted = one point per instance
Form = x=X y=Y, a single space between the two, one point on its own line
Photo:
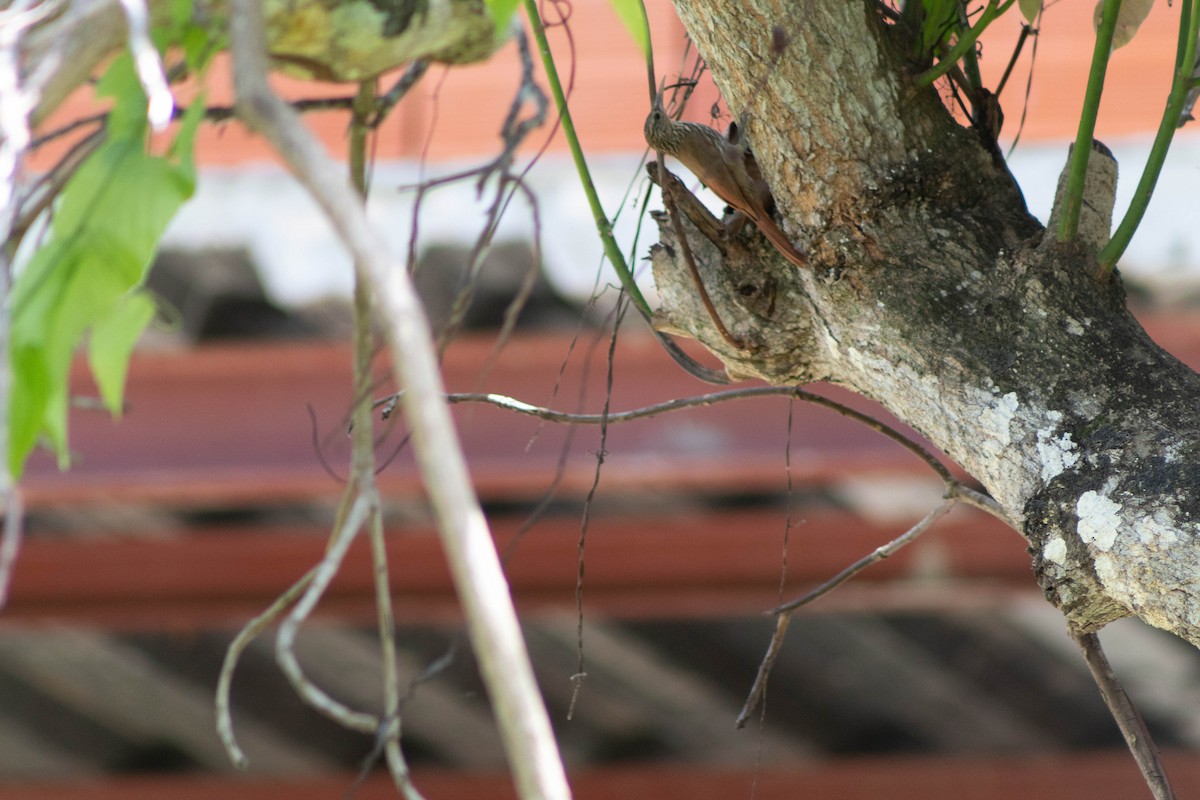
x=603 y=226
x=1180 y=87
x=965 y=43
x=970 y=61
x=1068 y=224
x=1185 y=17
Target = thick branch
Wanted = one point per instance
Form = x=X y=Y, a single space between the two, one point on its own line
x=930 y=292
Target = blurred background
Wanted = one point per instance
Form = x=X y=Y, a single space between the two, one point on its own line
x=939 y=673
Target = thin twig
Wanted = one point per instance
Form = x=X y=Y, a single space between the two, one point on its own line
x=39 y=196
x=487 y=604
x=784 y=612
x=214 y=113
x=515 y=129
x=585 y=518
x=391 y=727
x=285 y=641
x=233 y=654
x=956 y=492
x=362 y=465
x=982 y=502
x=385 y=103
x=875 y=556
x=699 y=401
x=759 y=690
x=10 y=539
x=966 y=42
x=1133 y=727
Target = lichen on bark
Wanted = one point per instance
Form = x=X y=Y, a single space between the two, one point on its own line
x=933 y=291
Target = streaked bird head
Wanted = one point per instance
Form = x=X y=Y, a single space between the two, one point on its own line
x=662 y=132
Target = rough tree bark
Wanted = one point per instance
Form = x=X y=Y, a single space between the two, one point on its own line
x=934 y=292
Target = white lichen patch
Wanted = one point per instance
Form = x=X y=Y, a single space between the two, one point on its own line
x=1099 y=519
x=1056 y=550
x=1056 y=454
x=1073 y=327
x=1108 y=571
x=1156 y=530
x=831 y=345
x=996 y=420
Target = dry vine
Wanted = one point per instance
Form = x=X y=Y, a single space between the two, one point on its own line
x=491 y=620
x=955 y=492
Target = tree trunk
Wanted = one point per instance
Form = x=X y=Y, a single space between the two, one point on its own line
x=934 y=292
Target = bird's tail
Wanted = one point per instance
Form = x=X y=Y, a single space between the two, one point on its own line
x=778 y=238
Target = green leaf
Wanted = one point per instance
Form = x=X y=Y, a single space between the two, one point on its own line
x=111 y=345
x=27 y=403
x=633 y=15
x=1030 y=9
x=183 y=145
x=1131 y=16
x=502 y=12
x=941 y=19
x=200 y=42
x=127 y=118
x=103 y=237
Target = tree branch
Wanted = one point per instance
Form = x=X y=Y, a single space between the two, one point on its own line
x=699 y=401
x=491 y=619
x=1133 y=727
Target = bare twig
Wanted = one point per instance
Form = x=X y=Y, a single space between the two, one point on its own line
x=874 y=557
x=285 y=642
x=43 y=192
x=759 y=689
x=982 y=502
x=387 y=102
x=390 y=729
x=487 y=604
x=245 y=636
x=1133 y=727
x=10 y=539
x=585 y=518
x=362 y=468
x=513 y=132
x=956 y=492
x=213 y=113
x=784 y=612
x=712 y=398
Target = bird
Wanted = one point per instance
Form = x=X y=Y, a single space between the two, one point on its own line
x=726 y=166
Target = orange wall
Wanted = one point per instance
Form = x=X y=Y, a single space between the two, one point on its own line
x=457 y=113
x=1135 y=90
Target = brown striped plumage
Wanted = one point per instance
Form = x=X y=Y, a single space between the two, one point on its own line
x=725 y=167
